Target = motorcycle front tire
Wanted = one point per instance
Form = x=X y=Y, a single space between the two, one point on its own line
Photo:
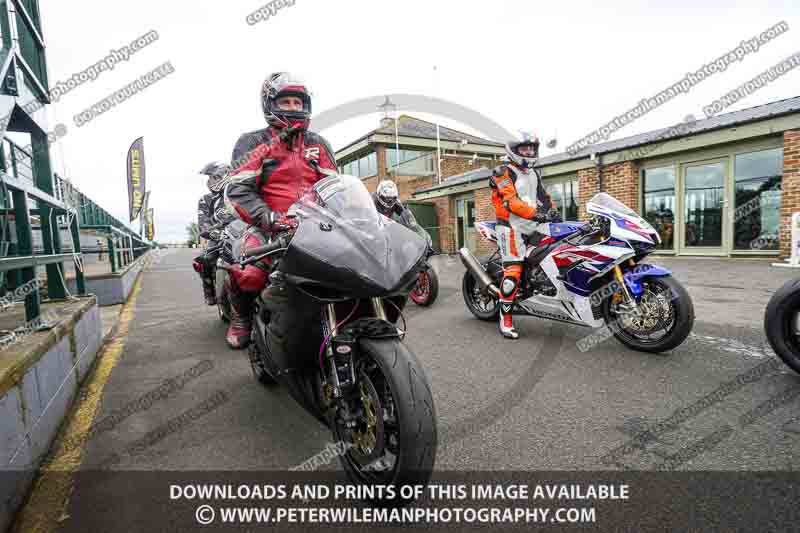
x=779 y=319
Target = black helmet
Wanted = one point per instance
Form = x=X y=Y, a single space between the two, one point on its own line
x=277 y=85
x=217 y=173
x=513 y=146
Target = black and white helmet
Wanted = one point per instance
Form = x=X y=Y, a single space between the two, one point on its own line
x=277 y=85
x=513 y=146
x=387 y=194
x=217 y=173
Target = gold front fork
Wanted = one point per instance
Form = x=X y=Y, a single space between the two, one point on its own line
x=621 y=281
x=377 y=305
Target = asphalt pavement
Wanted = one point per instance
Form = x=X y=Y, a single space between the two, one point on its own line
x=535 y=404
x=720 y=401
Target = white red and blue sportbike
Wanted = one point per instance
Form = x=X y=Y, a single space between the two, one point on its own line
x=590 y=274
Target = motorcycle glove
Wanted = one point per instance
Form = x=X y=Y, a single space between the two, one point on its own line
x=273 y=222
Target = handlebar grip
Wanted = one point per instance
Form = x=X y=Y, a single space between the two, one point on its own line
x=267 y=248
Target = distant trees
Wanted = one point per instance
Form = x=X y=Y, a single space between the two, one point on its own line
x=193 y=232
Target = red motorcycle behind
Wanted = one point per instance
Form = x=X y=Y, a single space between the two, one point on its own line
x=426 y=290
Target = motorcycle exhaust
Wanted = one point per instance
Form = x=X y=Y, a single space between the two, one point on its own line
x=477 y=270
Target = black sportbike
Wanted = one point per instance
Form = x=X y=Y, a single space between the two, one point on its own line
x=326 y=328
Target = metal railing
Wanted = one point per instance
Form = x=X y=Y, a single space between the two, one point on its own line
x=123 y=247
x=31 y=199
x=18 y=194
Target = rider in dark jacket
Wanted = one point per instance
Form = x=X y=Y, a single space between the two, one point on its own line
x=274 y=167
x=211 y=219
x=386 y=198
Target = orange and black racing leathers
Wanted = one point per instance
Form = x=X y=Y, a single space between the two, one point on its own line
x=517 y=195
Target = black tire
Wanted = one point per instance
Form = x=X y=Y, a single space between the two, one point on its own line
x=433 y=288
x=258 y=366
x=778 y=327
x=415 y=415
x=468 y=287
x=682 y=326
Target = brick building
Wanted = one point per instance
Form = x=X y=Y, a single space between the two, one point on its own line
x=723 y=186
x=373 y=157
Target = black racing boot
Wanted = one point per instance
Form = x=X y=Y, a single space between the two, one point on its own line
x=209 y=292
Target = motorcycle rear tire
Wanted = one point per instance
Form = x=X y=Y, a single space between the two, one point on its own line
x=467 y=287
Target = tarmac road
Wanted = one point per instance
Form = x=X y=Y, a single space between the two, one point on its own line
x=537 y=403
x=722 y=400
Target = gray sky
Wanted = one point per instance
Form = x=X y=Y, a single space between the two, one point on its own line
x=565 y=67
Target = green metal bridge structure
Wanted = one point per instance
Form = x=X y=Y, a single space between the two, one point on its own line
x=37 y=205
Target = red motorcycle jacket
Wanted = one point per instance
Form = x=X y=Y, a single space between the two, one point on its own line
x=271 y=174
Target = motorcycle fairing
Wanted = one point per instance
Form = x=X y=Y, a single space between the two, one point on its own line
x=487 y=230
x=625 y=223
x=567 y=305
x=557 y=231
x=359 y=260
x=633 y=277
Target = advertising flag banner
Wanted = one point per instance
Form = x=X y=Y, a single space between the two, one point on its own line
x=151 y=227
x=136 y=178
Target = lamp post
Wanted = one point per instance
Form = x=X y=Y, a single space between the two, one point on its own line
x=385 y=107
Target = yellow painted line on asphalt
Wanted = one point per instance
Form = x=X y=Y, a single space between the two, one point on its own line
x=51 y=492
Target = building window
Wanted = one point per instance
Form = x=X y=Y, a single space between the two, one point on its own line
x=659 y=203
x=368 y=165
x=757 y=199
x=565 y=196
x=363 y=167
x=412 y=162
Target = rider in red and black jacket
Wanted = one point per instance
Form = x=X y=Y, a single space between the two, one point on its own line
x=273 y=168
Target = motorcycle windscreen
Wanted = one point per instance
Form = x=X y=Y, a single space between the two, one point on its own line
x=357 y=259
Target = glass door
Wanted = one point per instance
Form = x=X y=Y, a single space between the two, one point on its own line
x=704 y=208
x=466 y=234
